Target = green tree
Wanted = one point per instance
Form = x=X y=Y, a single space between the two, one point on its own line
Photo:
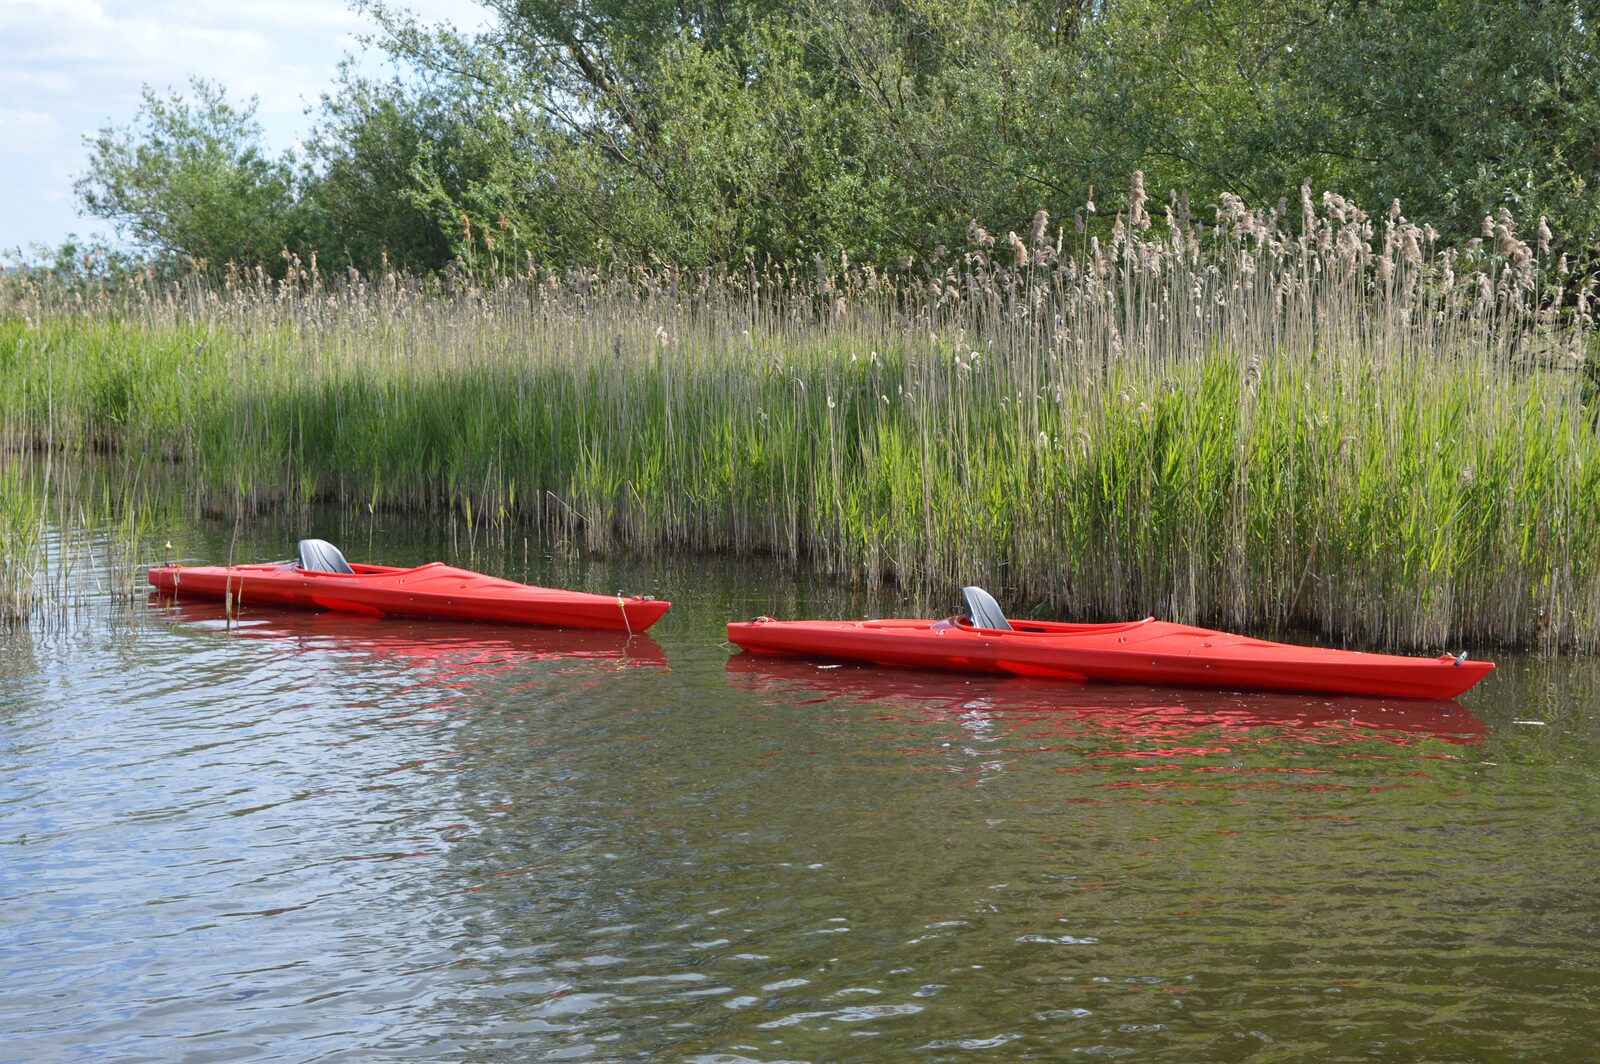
x=1460 y=106
x=366 y=162
x=190 y=179
x=591 y=131
x=628 y=133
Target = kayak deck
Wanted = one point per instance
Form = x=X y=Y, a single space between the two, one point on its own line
x=1146 y=651
x=434 y=590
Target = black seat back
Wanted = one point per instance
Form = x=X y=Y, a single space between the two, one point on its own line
x=320 y=556
x=983 y=610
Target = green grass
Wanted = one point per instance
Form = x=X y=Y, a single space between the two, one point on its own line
x=1393 y=469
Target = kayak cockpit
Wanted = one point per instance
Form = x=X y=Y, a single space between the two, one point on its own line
x=983 y=611
x=984 y=615
x=320 y=556
x=962 y=625
x=1051 y=629
x=358 y=569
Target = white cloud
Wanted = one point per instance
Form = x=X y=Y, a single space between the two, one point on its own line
x=25 y=130
x=16 y=83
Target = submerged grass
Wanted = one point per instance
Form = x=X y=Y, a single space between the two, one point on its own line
x=1343 y=428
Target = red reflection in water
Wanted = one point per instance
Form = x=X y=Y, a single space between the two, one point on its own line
x=445 y=648
x=1146 y=722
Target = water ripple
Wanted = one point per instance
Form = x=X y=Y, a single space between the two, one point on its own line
x=311 y=838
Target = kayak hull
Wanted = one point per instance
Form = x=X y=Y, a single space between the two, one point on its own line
x=1145 y=652
x=434 y=590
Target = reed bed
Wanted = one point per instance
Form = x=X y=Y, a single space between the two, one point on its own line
x=1261 y=420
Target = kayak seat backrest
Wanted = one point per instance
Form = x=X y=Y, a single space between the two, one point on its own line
x=983 y=610
x=320 y=556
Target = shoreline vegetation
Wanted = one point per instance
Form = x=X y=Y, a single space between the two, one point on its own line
x=1307 y=418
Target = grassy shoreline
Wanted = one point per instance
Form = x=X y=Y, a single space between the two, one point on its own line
x=1366 y=437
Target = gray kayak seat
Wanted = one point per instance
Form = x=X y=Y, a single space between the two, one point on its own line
x=320 y=556
x=983 y=610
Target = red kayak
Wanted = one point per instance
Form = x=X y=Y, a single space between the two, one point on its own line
x=1147 y=652
x=320 y=578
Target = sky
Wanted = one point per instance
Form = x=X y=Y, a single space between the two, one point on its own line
x=71 y=67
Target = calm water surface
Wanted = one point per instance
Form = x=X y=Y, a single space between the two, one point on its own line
x=305 y=837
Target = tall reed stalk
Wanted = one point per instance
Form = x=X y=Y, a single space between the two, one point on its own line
x=1336 y=423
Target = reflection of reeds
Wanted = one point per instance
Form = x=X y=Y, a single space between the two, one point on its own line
x=21 y=526
x=1346 y=426
x=67 y=535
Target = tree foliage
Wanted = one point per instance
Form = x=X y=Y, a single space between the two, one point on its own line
x=362 y=198
x=190 y=179
x=589 y=131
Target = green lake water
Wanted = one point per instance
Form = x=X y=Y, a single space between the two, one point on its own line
x=305 y=837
